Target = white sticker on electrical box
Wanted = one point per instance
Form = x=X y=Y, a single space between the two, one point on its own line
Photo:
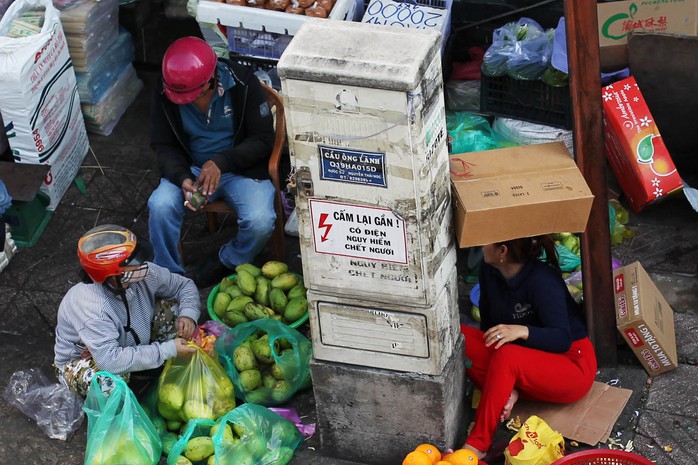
x=358 y=231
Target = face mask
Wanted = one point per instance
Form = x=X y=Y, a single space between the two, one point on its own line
x=133 y=276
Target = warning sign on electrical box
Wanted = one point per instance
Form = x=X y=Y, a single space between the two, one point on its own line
x=358 y=231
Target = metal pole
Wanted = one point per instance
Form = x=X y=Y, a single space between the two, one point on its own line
x=585 y=86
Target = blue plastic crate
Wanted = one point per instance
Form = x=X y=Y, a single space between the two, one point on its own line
x=257 y=43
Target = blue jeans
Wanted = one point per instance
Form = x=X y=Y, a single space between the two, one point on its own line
x=251 y=199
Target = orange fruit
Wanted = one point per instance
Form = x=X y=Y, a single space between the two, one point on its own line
x=441 y=462
x=431 y=451
x=462 y=457
x=417 y=457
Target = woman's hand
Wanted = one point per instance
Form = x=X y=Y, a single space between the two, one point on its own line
x=185 y=327
x=182 y=347
x=501 y=334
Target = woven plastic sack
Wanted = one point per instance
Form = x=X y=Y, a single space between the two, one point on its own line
x=248 y=435
x=194 y=386
x=118 y=430
x=270 y=369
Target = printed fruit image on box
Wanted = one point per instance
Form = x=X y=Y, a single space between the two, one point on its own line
x=634 y=146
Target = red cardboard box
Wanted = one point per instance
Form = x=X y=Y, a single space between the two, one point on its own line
x=634 y=146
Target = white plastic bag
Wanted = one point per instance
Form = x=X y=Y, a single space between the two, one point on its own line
x=56 y=409
x=291 y=227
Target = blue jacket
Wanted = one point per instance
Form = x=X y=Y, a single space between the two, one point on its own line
x=537 y=298
x=253 y=132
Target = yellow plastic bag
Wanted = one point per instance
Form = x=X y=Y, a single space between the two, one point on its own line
x=535 y=444
x=194 y=386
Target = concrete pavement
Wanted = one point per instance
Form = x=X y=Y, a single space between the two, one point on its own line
x=120 y=173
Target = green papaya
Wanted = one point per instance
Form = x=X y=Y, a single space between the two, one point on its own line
x=227 y=432
x=243 y=358
x=182 y=460
x=261 y=349
x=272 y=269
x=174 y=425
x=238 y=303
x=168 y=440
x=233 y=291
x=232 y=318
x=246 y=282
x=255 y=311
x=250 y=379
x=295 y=309
x=261 y=293
x=298 y=290
x=278 y=300
x=220 y=303
x=199 y=448
x=250 y=268
x=268 y=379
x=226 y=283
x=285 y=281
x=281 y=390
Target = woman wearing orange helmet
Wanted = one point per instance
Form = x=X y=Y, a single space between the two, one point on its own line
x=105 y=322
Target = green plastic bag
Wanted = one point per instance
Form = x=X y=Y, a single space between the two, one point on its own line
x=118 y=430
x=472 y=133
x=194 y=386
x=195 y=428
x=149 y=403
x=248 y=435
x=270 y=369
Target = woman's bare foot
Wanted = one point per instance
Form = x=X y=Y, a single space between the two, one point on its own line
x=506 y=411
x=479 y=453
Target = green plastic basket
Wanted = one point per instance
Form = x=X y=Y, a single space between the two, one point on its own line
x=214 y=292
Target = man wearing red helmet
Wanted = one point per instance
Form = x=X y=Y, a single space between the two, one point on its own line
x=212 y=131
x=108 y=322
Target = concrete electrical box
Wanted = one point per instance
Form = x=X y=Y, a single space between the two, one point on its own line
x=367 y=135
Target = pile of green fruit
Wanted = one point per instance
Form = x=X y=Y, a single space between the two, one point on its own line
x=203 y=400
x=254 y=293
x=232 y=445
x=130 y=447
x=260 y=376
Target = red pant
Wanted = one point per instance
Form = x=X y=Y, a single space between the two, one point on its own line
x=536 y=375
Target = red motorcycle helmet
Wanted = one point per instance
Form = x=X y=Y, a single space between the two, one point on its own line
x=104 y=250
x=188 y=65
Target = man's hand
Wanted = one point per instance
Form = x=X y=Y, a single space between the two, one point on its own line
x=209 y=178
x=188 y=189
x=182 y=347
x=185 y=327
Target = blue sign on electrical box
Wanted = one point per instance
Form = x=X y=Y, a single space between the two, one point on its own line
x=352 y=166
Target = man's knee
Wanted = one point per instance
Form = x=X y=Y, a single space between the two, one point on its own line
x=163 y=201
x=260 y=221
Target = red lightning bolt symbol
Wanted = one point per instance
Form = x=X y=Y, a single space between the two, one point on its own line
x=322 y=224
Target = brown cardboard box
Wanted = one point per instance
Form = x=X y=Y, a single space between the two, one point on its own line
x=645 y=319
x=618 y=19
x=517 y=192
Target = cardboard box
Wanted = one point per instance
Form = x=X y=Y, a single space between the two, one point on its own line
x=634 y=146
x=515 y=192
x=618 y=19
x=645 y=319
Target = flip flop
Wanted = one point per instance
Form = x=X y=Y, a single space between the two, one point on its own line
x=495 y=453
